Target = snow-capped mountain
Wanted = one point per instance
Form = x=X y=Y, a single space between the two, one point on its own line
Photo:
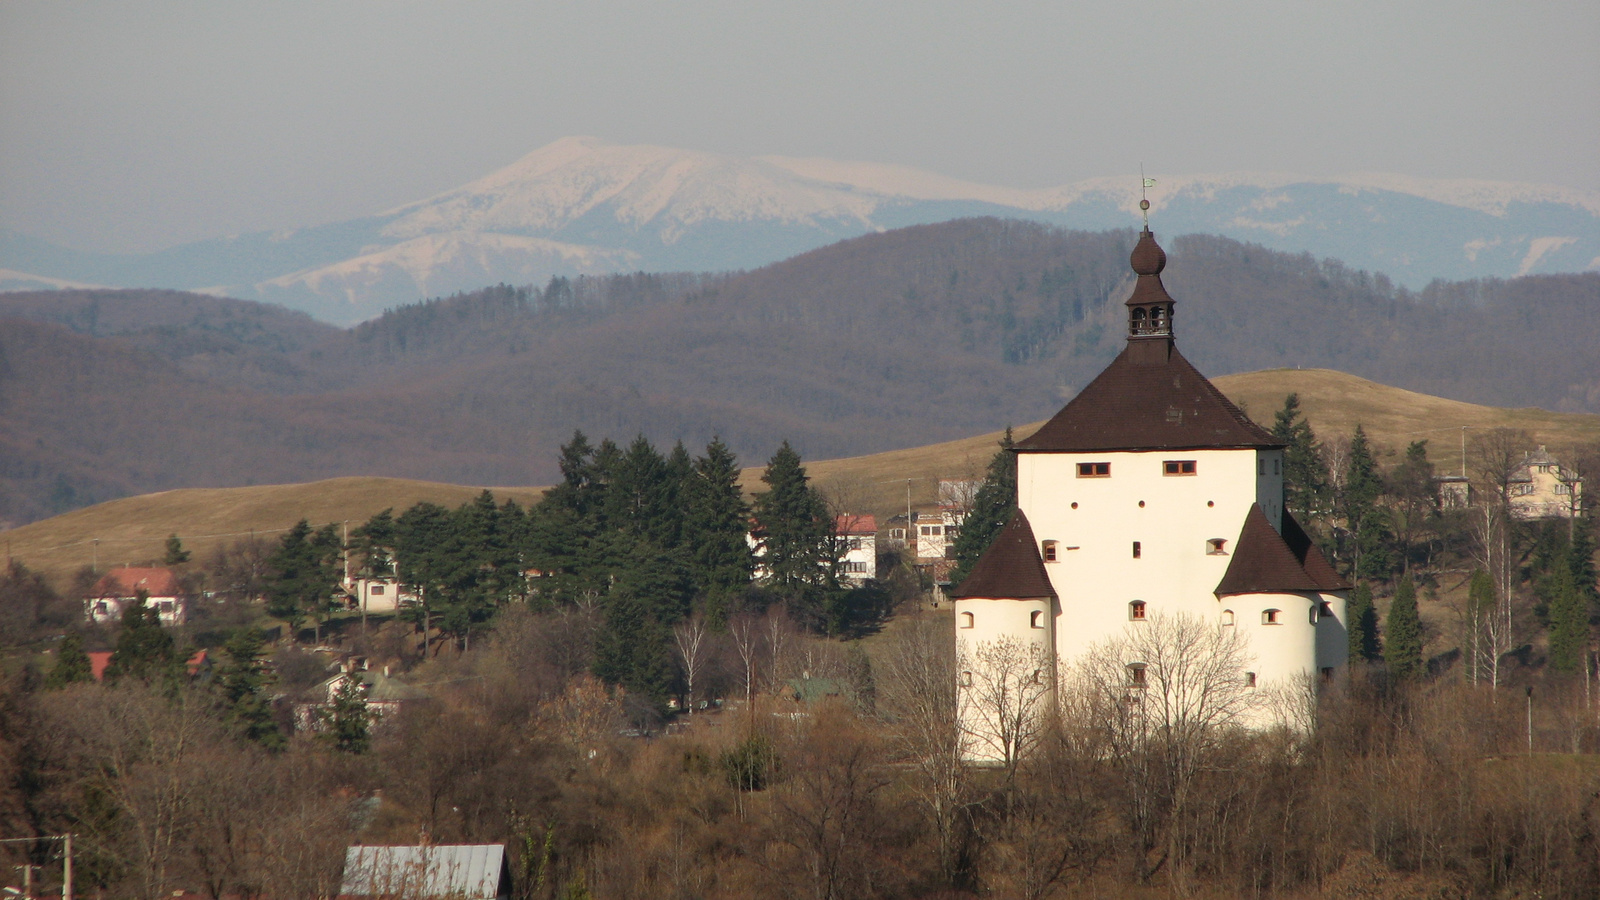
x=581 y=205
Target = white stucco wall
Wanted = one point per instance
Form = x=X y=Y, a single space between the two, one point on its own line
x=1096 y=520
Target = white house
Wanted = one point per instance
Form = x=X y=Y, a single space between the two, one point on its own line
x=1151 y=495
x=857 y=547
x=377 y=595
x=1542 y=488
x=119 y=587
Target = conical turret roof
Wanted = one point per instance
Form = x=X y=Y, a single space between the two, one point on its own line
x=1011 y=568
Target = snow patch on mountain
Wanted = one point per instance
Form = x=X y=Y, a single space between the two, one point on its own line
x=1538 y=247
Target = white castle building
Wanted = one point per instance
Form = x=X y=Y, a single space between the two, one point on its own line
x=1149 y=497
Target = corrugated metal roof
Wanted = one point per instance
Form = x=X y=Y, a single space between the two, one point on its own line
x=457 y=871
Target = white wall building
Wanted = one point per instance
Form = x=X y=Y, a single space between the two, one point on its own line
x=857 y=546
x=1151 y=495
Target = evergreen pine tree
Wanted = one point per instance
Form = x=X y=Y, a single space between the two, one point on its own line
x=1364 y=518
x=1569 y=621
x=1402 y=634
x=1416 y=498
x=797 y=549
x=1363 y=618
x=301 y=575
x=991 y=509
x=72 y=664
x=144 y=649
x=176 y=555
x=242 y=682
x=717 y=520
x=1305 y=477
x=346 y=720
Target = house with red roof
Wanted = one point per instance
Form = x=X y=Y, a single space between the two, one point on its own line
x=118 y=588
x=857 y=547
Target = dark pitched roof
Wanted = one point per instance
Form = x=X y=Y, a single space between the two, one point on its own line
x=1011 y=568
x=1311 y=559
x=1263 y=563
x=1148 y=405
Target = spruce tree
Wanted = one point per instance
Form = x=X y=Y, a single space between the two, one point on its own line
x=242 y=682
x=1364 y=518
x=1363 y=618
x=795 y=531
x=301 y=575
x=1569 y=621
x=1305 y=477
x=144 y=649
x=991 y=509
x=716 y=522
x=1402 y=634
x=346 y=720
x=72 y=664
x=176 y=555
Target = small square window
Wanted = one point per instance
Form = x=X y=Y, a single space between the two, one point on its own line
x=1178 y=467
x=377 y=590
x=1270 y=616
x=1036 y=619
x=967 y=620
x=1227 y=617
x=1136 y=675
x=965 y=680
x=1094 y=470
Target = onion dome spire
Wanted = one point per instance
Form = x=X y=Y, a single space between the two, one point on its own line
x=1150 y=307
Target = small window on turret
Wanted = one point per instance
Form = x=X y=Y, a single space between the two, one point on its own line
x=1048 y=551
x=1136 y=611
x=965 y=680
x=1036 y=619
x=1270 y=616
x=1227 y=617
x=966 y=620
x=1249 y=679
x=1217 y=547
x=1136 y=675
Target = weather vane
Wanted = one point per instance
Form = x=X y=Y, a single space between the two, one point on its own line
x=1144 y=204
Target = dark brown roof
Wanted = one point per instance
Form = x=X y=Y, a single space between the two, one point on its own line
x=1162 y=404
x=1311 y=559
x=1263 y=563
x=1147 y=257
x=1011 y=568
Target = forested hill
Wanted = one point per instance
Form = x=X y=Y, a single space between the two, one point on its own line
x=896 y=339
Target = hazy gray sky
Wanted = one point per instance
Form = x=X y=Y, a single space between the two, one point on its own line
x=137 y=125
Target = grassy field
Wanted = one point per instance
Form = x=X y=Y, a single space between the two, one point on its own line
x=132 y=530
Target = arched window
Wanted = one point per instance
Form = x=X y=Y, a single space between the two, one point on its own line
x=1048 y=550
x=966 y=620
x=1136 y=611
x=1270 y=616
x=965 y=680
x=1227 y=617
x=1139 y=326
x=1036 y=619
x=1155 y=320
x=1316 y=613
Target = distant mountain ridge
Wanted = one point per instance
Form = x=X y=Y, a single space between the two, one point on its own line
x=584 y=206
x=889 y=340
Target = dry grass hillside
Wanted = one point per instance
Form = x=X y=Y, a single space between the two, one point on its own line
x=133 y=529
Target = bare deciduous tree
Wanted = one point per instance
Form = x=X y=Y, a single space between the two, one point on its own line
x=1005 y=700
x=1161 y=699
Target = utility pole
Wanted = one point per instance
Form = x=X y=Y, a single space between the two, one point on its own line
x=66 y=863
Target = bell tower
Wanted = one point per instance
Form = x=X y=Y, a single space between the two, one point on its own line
x=1150 y=307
